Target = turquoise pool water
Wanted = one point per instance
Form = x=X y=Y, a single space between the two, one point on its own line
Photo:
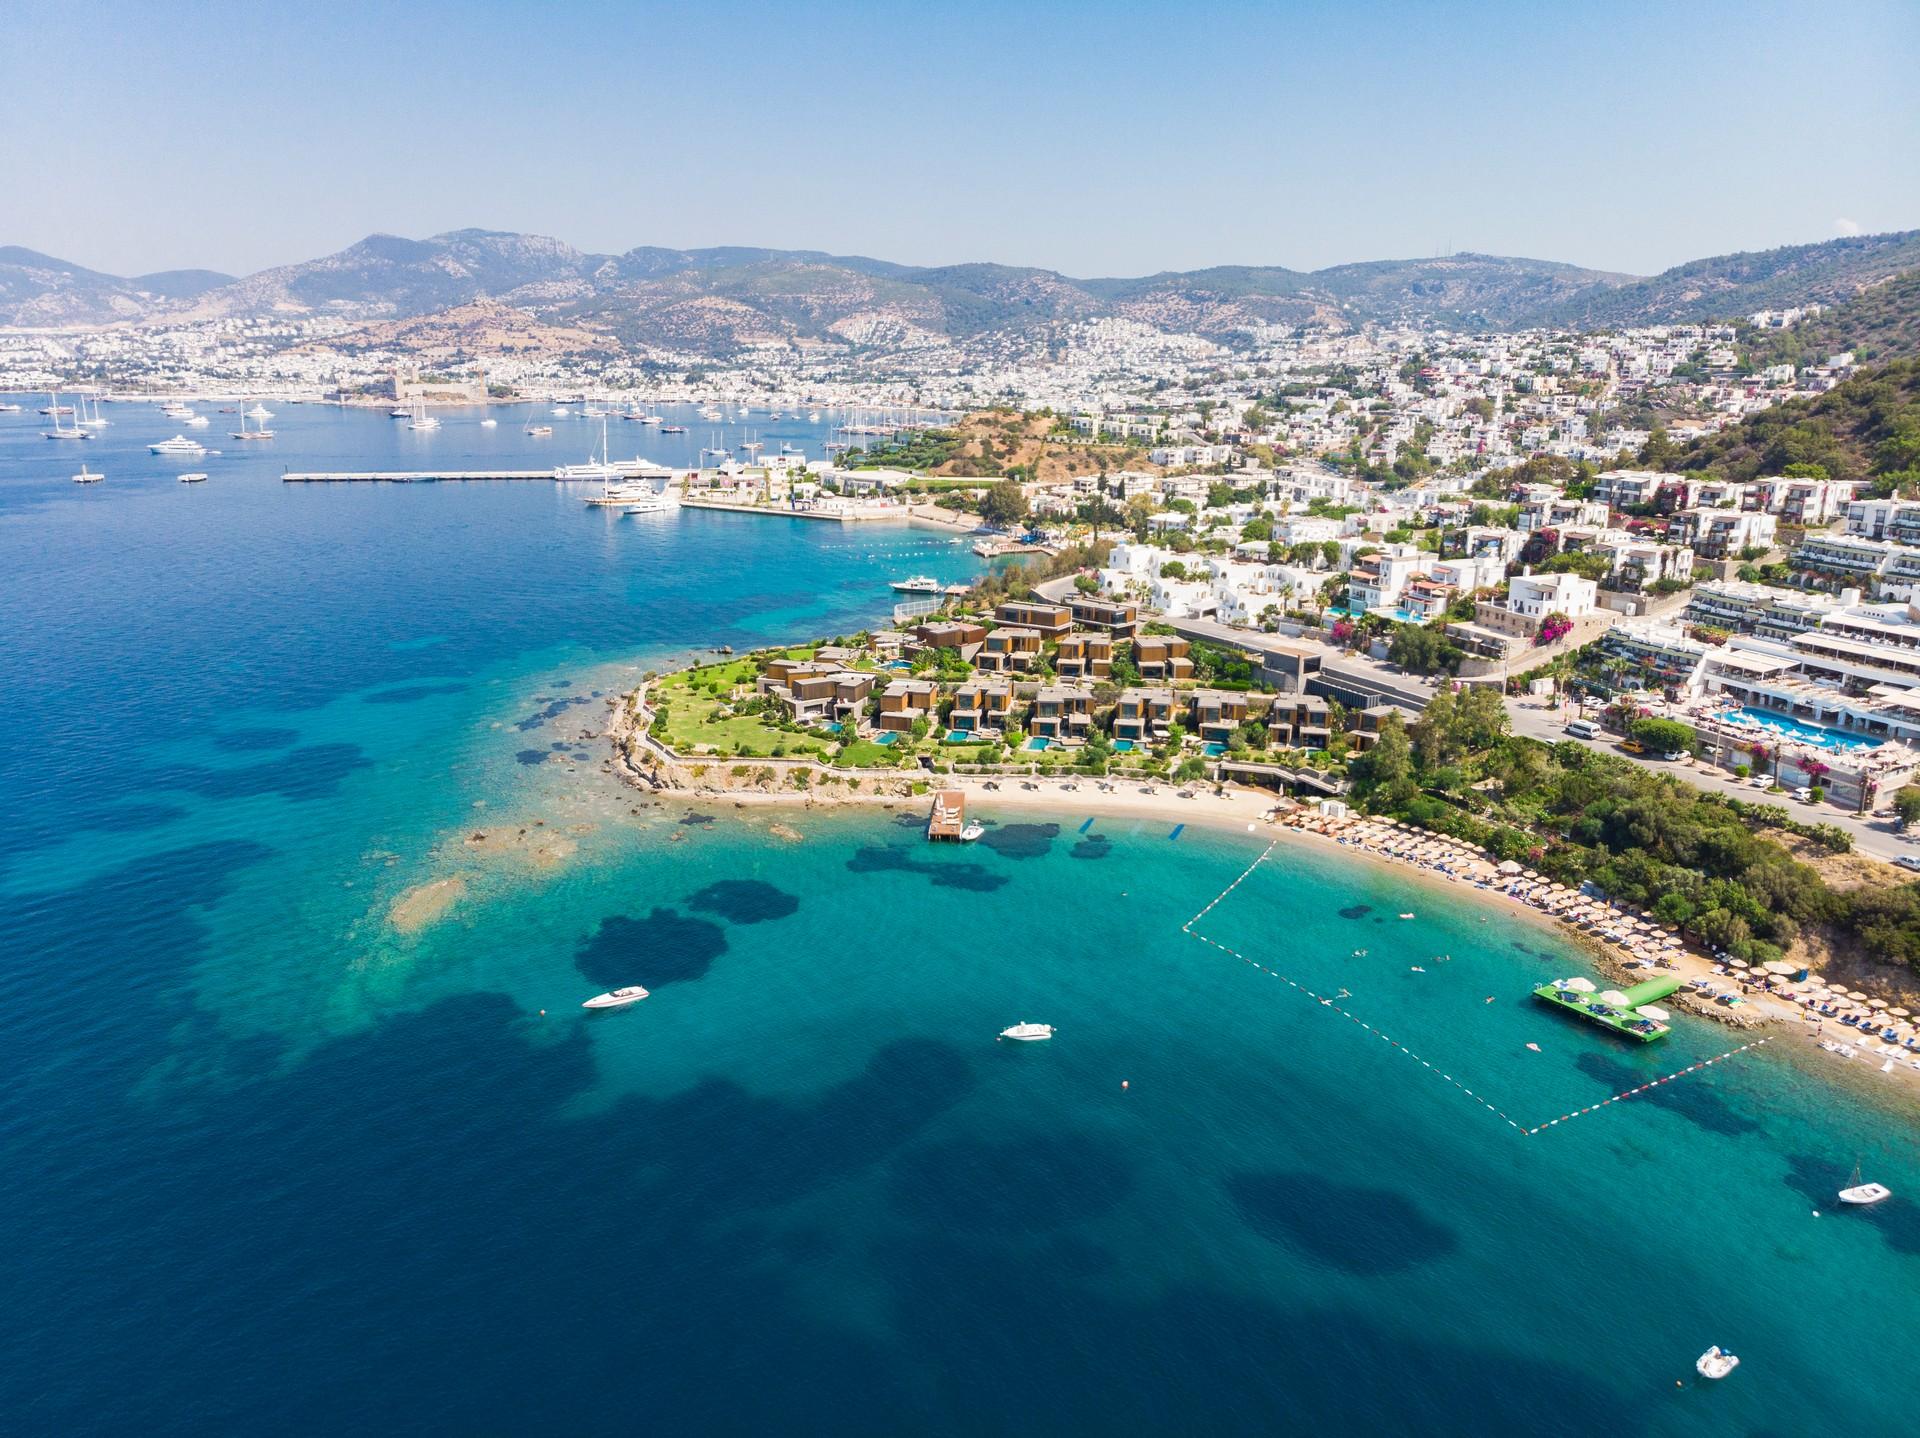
x=1214 y=751
x=1815 y=734
x=1123 y=746
x=886 y=737
x=1038 y=743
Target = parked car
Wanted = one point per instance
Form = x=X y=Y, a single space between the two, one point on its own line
x=1908 y=861
x=1760 y=781
x=1803 y=794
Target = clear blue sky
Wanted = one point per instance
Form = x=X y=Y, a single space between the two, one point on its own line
x=1093 y=138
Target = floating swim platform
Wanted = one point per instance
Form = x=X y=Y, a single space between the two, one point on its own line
x=1177 y=830
x=1086 y=826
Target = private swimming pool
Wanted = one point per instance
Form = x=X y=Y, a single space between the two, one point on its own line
x=1802 y=732
x=1038 y=743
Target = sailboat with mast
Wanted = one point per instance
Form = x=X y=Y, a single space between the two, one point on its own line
x=259 y=431
x=59 y=430
x=421 y=419
x=594 y=469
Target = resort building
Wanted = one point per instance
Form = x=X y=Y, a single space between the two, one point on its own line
x=1061 y=712
x=1363 y=725
x=1084 y=656
x=982 y=706
x=905 y=701
x=1377 y=580
x=1743 y=608
x=1290 y=667
x=816 y=693
x=1052 y=620
x=963 y=635
x=1142 y=715
x=1162 y=658
x=1299 y=721
x=1722 y=533
x=1217 y=713
x=1120 y=618
x=1013 y=647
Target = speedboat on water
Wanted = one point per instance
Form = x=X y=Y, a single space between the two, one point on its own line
x=971 y=832
x=618 y=999
x=489 y=423
x=918 y=584
x=194 y=478
x=1716 y=1362
x=1028 y=1033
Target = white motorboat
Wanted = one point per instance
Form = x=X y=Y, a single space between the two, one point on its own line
x=196 y=421
x=179 y=444
x=9 y=407
x=1861 y=1195
x=652 y=504
x=918 y=584
x=1028 y=1033
x=176 y=409
x=1716 y=1363
x=196 y=477
x=971 y=832
x=489 y=423
x=260 y=413
x=618 y=999
x=87 y=476
x=539 y=431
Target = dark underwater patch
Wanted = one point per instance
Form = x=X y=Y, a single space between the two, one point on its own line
x=531 y=756
x=1700 y=1104
x=664 y=948
x=299 y=774
x=246 y=741
x=412 y=693
x=1366 y=1232
x=1021 y=841
x=1094 y=846
x=745 y=901
x=1018 y=1186
x=962 y=874
x=1356 y=911
x=553 y=711
x=696 y=819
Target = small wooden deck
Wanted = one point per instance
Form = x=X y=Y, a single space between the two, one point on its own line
x=949 y=816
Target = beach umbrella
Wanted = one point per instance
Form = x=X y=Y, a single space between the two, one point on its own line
x=1780 y=966
x=1901 y=1013
x=1856 y=996
x=1736 y=963
x=1876 y=1003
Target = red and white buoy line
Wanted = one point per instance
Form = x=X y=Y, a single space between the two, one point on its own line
x=1329 y=1003
x=1627 y=1093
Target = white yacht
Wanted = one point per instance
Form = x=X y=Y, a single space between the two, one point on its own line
x=1716 y=1362
x=649 y=418
x=260 y=414
x=919 y=584
x=9 y=407
x=176 y=409
x=195 y=421
x=489 y=423
x=539 y=431
x=593 y=469
x=94 y=420
x=195 y=477
x=421 y=419
x=971 y=832
x=618 y=999
x=257 y=432
x=179 y=444
x=652 y=504
x=87 y=476
x=400 y=411
x=1028 y=1033
x=813 y=416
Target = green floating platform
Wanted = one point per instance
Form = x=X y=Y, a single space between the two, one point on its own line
x=1619 y=1011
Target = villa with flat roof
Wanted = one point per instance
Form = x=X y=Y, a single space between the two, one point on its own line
x=982 y=706
x=1052 y=620
x=1298 y=721
x=1142 y=715
x=1061 y=711
x=1011 y=647
x=1217 y=713
x=1117 y=617
x=903 y=702
x=1162 y=657
x=1084 y=656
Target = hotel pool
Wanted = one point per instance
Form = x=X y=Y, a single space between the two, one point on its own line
x=1038 y=744
x=886 y=738
x=959 y=736
x=1214 y=751
x=1123 y=746
x=1802 y=732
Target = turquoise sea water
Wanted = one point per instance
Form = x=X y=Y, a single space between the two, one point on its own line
x=272 y=1163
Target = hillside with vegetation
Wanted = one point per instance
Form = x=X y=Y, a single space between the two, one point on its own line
x=1004 y=442
x=1881 y=324
x=1867 y=428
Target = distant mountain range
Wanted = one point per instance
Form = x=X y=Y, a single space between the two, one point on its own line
x=718 y=300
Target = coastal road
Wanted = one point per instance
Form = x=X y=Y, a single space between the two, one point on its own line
x=1873 y=834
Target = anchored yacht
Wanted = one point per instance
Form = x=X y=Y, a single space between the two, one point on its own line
x=179 y=444
x=196 y=477
x=1862 y=1195
x=919 y=584
x=1716 y=1362
x=618 y=999
x=1028 y=1033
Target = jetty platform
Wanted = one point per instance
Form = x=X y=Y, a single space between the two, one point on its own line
x=400 y=476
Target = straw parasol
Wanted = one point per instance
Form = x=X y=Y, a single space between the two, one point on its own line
x=1736 y=963
x=1509 y=866
x=1781 y=966
x=1856 y=996
x=1900 y=1013
x=1876 y=1003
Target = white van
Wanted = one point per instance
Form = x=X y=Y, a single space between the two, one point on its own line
x=1583 y=729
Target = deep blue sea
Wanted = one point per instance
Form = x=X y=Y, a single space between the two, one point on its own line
x=308 y=861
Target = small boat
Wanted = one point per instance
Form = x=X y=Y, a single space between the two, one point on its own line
x=196 y=421
x=9 y=408
x=400 y=411
x=539 y=431
x=194 y=478
x=673 y=429
x=1861 y=1194
x=918 y=584
x=1406 y=916
x=1716 y=1363
x=618 y=999
x=1028 y=1033
x=260 y=412
x=971 y=832
x=87 y=476
x=489 y=423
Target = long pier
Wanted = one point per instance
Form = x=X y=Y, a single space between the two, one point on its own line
x=401 y=476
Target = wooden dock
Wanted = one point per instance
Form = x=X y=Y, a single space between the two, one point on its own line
x=949 y=815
